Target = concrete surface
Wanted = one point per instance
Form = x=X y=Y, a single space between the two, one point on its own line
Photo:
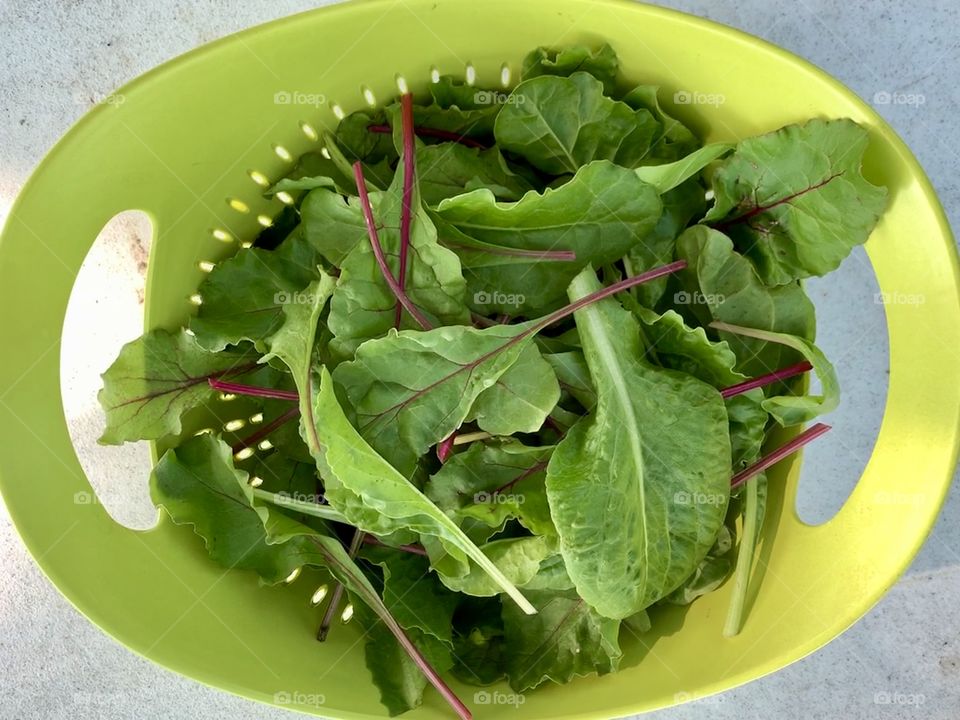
x=901 y=661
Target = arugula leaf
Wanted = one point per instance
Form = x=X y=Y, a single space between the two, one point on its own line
x=654 y=437
x=559 y=124
x=269 y=278
x=157 y=378
x=598 y=215
x=795 y=201
x=793 y=409
x=674 y=139
x=354 y=473
x=565 y=639
x=720 y=284
x=601 y=63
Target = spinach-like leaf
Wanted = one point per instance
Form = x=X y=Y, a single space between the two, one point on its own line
x=157 y=378
x=711 y=573
x=598 y=215
x=795 y=409
x=559 y=124
x=269 y=279
x=574 y=376
x=720 y=284
x=794 y=200
x=565 y=639
x=674 y=139
x=601 y=63
x=667 y=177
x=451 y=169
x=615 y=481
x=332 y=224
x=518 y=558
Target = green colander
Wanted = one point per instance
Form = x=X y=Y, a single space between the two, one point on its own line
x=191 y=143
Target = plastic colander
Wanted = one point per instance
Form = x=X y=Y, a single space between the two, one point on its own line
x=188 y=144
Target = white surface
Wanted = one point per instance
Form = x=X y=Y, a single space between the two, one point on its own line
x=60 y=57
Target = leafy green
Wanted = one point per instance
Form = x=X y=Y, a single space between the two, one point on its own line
x=654 y=436
x=564 y=640
x=157 y=378
x=674 y=140
x=667 y=177
x=598 y=215
x=451 y=169
x=559 y=124
x=795 y=201
x=601 y=63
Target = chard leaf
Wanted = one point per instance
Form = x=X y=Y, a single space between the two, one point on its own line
x=794 y=201
x=601 y=63
x=794 y=409
x=362 y=485
x=451 y=169
x=332 y=224
x=565 y=639
x=666 y=177
x=574 y=376
x=552 y=575
x=494 y=482
x=674 y=139
x=559 y=124
x=680 y=206
x=598 y=215
x=197 y=484
x=411 y=389
x=614 y=479
x=521 y=399
x=720 y=284
x=243 y=296
x=157 y=378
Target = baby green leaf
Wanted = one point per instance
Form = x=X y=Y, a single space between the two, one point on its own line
x=720 y=284
x=353 y=471
x=711 y=573
x=574 y=376
x=599 y=214
x=244 y=296
x=794 y=409
x=674 y=140
x=518 y=558
x=627 y=473
x=157 y=378
x=795 y=201
x=565 y=639
x=667 y=177
x=602 y=63
x=332 y=224
x=451 y=169
x=559 y=124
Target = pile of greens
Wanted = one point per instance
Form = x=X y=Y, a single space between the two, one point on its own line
x=512 y=358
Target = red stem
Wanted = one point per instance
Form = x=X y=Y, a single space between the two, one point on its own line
x=532 y=470
x=776 y=376
x=779 y=454
x=378 y=251
x=434 y=133
x=252 y=390
x=406 y=213
x=263 y=432
x=445 y=447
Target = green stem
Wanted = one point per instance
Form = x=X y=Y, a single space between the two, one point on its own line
x=307 y=508
x=748 y=544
